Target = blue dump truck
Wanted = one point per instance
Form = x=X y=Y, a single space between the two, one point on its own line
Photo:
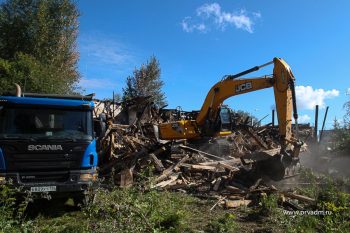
x=47 y=144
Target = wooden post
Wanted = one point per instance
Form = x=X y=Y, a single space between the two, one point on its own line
x=324 y=121
x=316 y=124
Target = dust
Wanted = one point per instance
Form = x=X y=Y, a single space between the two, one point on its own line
x=327 y=162
x=320 y=162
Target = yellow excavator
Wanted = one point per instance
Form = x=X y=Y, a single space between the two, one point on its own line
x=213 y=114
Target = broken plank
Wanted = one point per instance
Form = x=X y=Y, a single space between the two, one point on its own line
x=111 y=145
x=167 y=172
x=231 y=162
x=202 y=168
x=233 y=189
x=159 y=165
x=217 y=184
x=177 y=156
x=300 y=197
x=257 y=138
x=172 y=179
x=229 y=167
x=236 y=203
x=126 y=178
x=200 y=152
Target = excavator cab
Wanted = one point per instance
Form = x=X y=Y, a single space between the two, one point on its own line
x=222 y=125
x=225 y=119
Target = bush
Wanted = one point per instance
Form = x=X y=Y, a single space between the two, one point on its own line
x=128 y=210
x=12 y=210
x=268 y=205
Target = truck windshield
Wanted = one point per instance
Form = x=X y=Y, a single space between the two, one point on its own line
x=41 y=123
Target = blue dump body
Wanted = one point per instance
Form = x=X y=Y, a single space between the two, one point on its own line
x=47 y=144
x=47 y=101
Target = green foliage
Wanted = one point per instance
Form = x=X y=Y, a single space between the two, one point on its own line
x=7 y=203
x=332 y=199
x=347 y=114
x=120 y=210
x=224 y=224
x=38 y=45
x=68 y=223
x=146 y=81
x=341 y=136
x=305 y=223
x=12 y=210
x=133 y=210
x=313 y=188
x=128 y=210
x=268 y=205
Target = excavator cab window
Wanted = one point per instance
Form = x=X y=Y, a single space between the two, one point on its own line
x=225 y=119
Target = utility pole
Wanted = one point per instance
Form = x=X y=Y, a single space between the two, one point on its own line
x=316 y=124
x=324 y=121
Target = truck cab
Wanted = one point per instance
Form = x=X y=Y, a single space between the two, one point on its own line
x=47 y=143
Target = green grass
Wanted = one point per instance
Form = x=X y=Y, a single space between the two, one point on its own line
x=118 y=210
x=222 y=224
x=134 y=210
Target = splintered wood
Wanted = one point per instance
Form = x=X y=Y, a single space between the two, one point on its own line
x=130 y=151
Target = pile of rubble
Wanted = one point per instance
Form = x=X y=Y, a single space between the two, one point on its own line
x=130 y=152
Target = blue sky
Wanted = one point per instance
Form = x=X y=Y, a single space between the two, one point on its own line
x=197 y=42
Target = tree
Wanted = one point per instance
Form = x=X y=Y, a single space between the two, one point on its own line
x=146 y=81
x=38 y=45
x=244 y=115
x=347 y=114
x=341 y=137
x=341 y=132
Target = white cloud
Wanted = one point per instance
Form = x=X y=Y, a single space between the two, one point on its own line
x=347 y=91
x=257 y=14
x=209 y=9
x=104 y=61
x=308 y=98
x=211 y=15
x=303 y=118
x=100 y=49
x=187 y=26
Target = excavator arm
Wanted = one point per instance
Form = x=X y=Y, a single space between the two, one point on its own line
x=282 y=82
x=280 y=165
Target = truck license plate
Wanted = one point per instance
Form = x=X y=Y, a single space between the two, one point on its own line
x=43 y=189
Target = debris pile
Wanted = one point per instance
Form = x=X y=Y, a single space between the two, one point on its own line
x=132 y=152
